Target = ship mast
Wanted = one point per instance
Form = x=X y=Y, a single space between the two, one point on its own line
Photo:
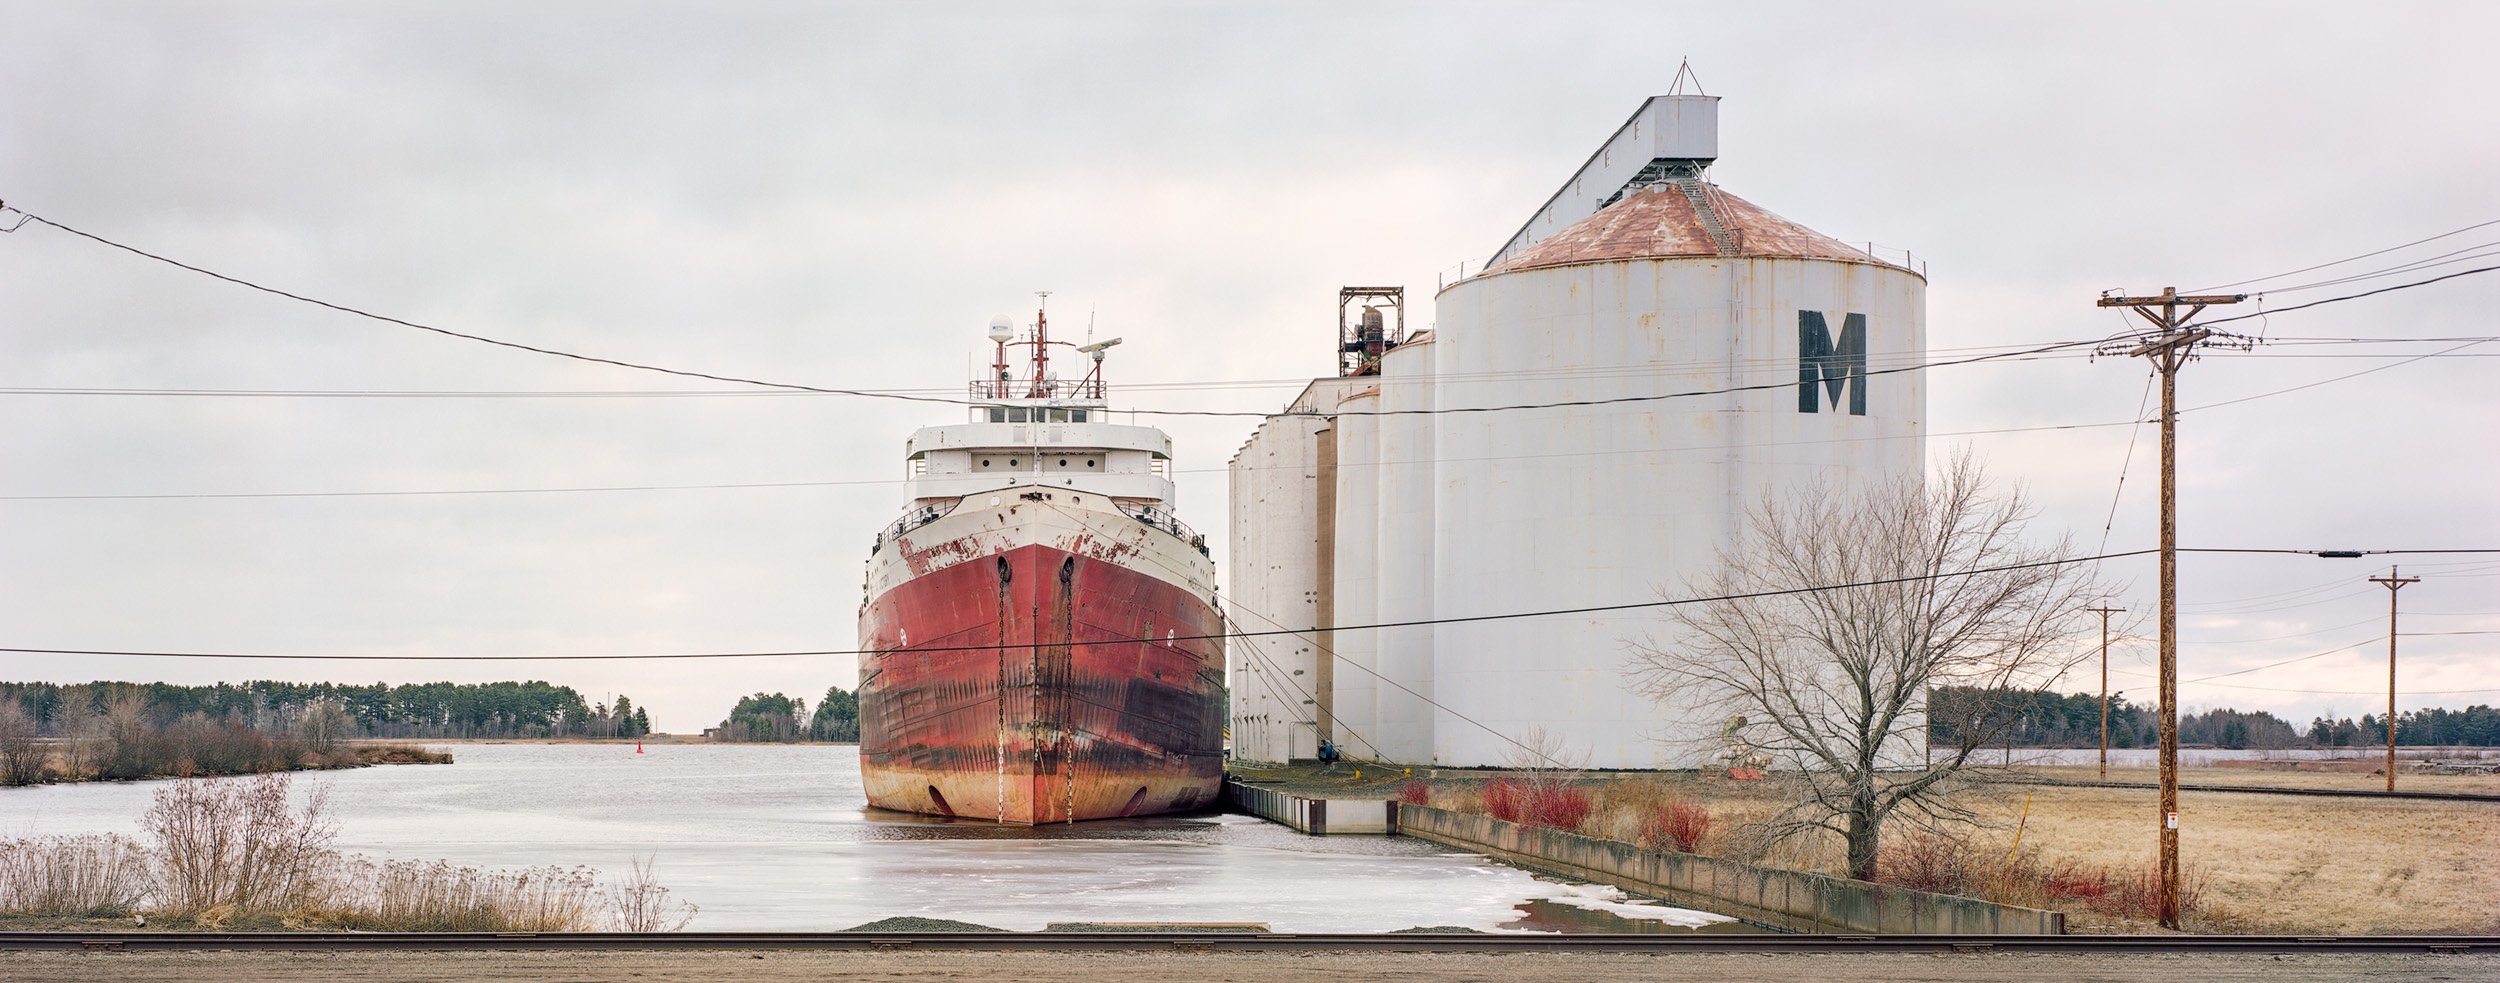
x=1041 y=347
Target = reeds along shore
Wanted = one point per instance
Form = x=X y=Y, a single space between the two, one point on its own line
x=239 y=855
x=126 y=743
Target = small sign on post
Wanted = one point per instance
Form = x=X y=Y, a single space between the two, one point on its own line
x=2169 y=820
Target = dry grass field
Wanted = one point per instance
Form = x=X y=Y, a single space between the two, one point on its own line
x=2259 y=864
x=2288 y=864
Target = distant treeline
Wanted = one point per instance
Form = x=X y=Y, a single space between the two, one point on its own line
x=2025 y=718
x=409 y=710
x=776 y=717
x=2474 y=726
x=112 y=731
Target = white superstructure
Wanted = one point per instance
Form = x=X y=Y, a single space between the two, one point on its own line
x=1038 y=444
x=1665 y=285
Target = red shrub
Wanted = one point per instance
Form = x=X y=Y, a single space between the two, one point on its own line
x=2071 y=881
x=1502 y=799
x=1678 y=824
x=1559 y=806
x=1538 y=802
x=1923 y=861
x=1414 y=793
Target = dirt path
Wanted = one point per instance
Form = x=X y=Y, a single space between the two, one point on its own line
x=769 y=966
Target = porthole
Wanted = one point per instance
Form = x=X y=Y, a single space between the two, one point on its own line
x=1090 y=463
x=985 y=462
x=1011 y=462
x=1063 y=462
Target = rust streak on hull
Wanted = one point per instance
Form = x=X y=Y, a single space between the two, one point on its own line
x=1045 y=710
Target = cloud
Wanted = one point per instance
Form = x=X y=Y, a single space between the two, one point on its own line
x=844 y=195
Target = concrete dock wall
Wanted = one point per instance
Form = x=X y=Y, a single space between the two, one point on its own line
x=1318 y=817
x=1784 y=899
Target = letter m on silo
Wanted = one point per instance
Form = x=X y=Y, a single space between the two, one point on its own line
x=1834 y=367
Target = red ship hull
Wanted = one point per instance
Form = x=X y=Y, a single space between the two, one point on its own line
x=1015 y=688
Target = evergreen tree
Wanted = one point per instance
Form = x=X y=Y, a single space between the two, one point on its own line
x=837 y=716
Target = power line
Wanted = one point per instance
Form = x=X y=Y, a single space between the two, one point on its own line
x=951 y=401
x=2340 y=378
x=2278 y=638
x=1499 y=457
x=2336 y=300
x=2471 y=342
x=2286 y=662
x=1460 y=619
x=400 y=493
x=1224 y=470
x=888 y=394
x=2336 y=692
x=2127 y=461
x=2348 y=259
x=2242 y=549
x=1639 y=370
x=2468 y=254
x=1629 y=370
x=481 y=339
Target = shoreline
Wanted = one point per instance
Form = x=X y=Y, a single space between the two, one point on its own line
x=678 y=740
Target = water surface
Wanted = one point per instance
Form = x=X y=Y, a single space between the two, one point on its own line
x=780 y=838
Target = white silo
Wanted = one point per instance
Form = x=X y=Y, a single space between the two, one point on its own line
x=1274 y=670
x=1353 y=671
x=1663 y=284
x=1586 y=425
x=1404 y=730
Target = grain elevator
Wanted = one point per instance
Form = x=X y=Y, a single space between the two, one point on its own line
x=1585 y=424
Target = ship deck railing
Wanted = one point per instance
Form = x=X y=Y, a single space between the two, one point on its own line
x=1167 y=522
x=914 y=519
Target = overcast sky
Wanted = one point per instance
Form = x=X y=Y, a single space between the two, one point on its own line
x=843 y=195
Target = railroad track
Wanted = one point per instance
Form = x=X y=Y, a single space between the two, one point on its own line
x=1244 y=942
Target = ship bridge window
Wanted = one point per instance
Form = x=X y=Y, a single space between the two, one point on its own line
x=1058 y=416
x=1076 y=416
x=919 y=465
x=998 y=414
x=1015 y=414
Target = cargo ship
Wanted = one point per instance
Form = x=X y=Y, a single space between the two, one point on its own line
x=1041 y=634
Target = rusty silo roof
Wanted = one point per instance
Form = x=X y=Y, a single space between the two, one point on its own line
x=1662 y=221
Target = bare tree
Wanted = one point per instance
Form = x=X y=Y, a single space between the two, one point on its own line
x=22 y=753
x=1833 y=681
x=86 y=745
x=323 y=723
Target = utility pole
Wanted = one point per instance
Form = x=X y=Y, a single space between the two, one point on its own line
x=2169 y=349
x=2105 y=612
x=2393 y=584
